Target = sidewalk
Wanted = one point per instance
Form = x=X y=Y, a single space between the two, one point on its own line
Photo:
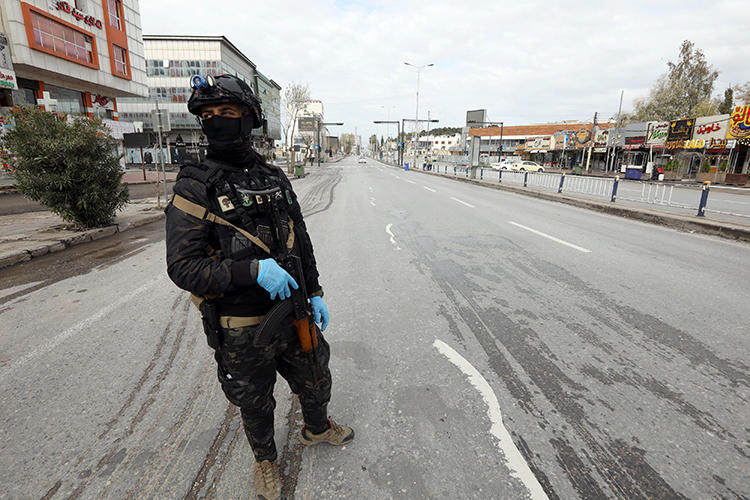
x=32 y=234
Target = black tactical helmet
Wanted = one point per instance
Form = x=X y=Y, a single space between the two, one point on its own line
x=221 y=89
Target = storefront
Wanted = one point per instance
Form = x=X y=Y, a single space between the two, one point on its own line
x=71 y=57
x=538 y=150
x=709 y=141
x=738 y=140
x=682 y=164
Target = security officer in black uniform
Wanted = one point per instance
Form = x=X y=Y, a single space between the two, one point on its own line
x=233 y=225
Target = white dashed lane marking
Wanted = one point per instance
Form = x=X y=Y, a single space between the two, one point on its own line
x=463 y=202
x=557 y=240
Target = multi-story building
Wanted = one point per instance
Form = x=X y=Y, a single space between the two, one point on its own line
x=78 y=57
x=170 y=62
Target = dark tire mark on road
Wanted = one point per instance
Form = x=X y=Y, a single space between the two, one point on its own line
x=213 y=451
x=319 y=197
x=52 y=490
x=290 y=462
x=144 y=377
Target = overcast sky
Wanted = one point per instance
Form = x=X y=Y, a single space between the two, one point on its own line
x=524 y=61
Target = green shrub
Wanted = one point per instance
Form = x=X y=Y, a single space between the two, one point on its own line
x=69 y=167
x=723 y=164
x=706 y=165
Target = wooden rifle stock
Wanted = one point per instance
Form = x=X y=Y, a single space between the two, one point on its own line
x=307 y=333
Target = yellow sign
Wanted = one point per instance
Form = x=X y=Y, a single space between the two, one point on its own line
x=739 y=123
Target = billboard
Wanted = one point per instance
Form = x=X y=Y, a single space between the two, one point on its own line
x=306 y=124
x=657 y=133
x=476 y=118
x=739 y=123
x=601 y=140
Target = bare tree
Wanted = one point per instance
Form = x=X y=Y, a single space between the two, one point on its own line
x=294 y=98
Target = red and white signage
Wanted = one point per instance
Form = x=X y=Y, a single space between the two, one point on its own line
x=77 y=14
x=101 y=101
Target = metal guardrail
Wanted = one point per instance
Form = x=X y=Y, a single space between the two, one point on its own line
x=658 y=194
x=602 y=187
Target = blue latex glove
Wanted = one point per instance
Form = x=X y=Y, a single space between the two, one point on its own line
x=275 y=279
x=320 y=311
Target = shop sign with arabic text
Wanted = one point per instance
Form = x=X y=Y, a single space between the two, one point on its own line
x=80 y=16
x=710 y=127
x=601 y=140
x=657 y=133
x=681 y=130
x=739 y=123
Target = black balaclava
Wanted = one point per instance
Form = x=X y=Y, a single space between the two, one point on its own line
x=229 y=138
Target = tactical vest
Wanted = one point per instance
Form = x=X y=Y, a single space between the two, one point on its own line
x=250 y=211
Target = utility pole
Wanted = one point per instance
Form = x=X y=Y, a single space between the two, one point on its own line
x=161 y=151
x=617 y=122
x=591 y=142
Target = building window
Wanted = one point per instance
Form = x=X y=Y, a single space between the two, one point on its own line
x=60 y=39
x=121 y=65
x=113 y=7
x=68 y=101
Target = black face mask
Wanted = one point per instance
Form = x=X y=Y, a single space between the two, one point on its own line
x=222 y=130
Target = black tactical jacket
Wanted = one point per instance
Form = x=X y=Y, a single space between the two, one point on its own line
x=209 y=259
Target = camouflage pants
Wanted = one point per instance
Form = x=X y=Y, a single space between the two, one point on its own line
x=247 y=372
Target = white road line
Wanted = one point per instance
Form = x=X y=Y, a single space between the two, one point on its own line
x=513 y=458
x=558 y=240
x=463 y=202
x=410 y=182
x=75 y=329
x=393 y=239
x=430 y=189
x=372 y=201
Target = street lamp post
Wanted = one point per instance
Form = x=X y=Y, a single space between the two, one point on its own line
x=416 y=115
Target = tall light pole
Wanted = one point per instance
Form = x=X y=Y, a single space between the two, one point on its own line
x=416 y=115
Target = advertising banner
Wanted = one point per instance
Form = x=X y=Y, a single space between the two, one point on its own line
x=306 y=124
x=600 y=141
x=579 y=138
x=560 y=140
x=709 y=133
x=739 y=123
x=679 y=132
x=657 y=133
x=635 y=134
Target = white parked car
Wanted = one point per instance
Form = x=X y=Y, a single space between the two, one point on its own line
x=527 y=166
x=361 y=160
x=505 y=163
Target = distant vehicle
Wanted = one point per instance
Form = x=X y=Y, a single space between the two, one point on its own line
x=527 y=166
x=361 y=160
x=505 y=163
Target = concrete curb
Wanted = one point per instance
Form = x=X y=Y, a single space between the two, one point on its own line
x=678 y=222
x=18 y=256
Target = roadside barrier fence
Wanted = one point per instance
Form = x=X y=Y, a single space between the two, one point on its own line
x=652 y=193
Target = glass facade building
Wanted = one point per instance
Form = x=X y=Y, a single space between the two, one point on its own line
x=170 y=62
